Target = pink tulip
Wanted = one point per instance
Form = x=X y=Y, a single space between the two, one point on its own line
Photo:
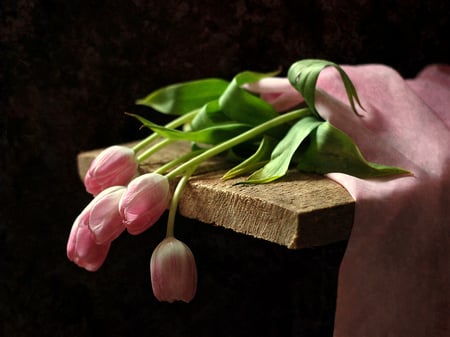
x=114 y=166
x=173 y=271
x=144 y=201
x=105 y=220
x=82 y=248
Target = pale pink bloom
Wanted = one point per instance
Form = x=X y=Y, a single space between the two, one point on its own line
x=276 y=91
x=144 y=201
x=173 y=271
x=81 y=246
x=114 y=166
x=105 y=220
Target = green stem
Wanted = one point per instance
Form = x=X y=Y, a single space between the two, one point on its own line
x=155 y=148
x=243 y=137
x=175 y=162
x=175 y=200
x=186 y=118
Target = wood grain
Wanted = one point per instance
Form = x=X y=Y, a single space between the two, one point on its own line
x=297 y=211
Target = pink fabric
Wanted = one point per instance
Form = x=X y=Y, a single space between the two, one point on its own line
x=394 y=278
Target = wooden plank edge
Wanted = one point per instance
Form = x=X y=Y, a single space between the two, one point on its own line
x=297 y=211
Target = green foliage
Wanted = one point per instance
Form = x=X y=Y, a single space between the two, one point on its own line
x=210 y=114
x=255 y=161
x=178 y=99
x=211 y=135
x=240 y=105
x=303 y=76
x=227 y=116
x=283 y=152
x=331 y=150
x=235 y=104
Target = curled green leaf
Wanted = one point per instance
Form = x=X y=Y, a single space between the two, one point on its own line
x=303 y=76
x=331 y=150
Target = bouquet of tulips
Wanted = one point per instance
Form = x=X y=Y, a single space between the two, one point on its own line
x=265 y=124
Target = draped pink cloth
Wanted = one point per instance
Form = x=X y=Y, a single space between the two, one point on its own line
x=394 y=277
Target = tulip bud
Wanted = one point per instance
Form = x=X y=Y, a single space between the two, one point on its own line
x=81 y=246
x=114 y=166
x=105 y=220
x=144 y=201
x=173 y=271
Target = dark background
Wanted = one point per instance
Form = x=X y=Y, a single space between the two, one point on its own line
x=68 y=71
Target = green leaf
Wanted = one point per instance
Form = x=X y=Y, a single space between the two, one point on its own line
x=209 y=115
x=331 y=150
x=255 y=161
x=303 y=76
x=284 y=151
x=182 y=98
x=241 y=106
x=211 y=135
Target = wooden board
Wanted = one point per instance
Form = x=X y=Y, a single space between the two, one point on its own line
x=298 y=211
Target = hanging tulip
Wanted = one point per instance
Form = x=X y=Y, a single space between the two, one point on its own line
x=173 y=271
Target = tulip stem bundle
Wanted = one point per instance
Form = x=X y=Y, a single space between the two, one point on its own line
x=272 y=119
x=154 y=136
x=177 y=161
x=230 y=143
x=153 y=149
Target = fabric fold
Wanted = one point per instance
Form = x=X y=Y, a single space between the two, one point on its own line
x=394 y=277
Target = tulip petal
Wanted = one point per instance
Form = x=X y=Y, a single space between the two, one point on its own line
x=105 y=220
x=115 y=165
x=144 y=201
x=81 y=246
